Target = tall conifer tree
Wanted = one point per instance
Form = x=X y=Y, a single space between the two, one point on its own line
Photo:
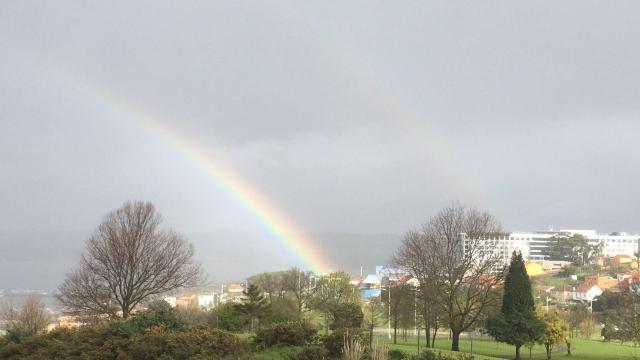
x=516 y=323
x=255 y=305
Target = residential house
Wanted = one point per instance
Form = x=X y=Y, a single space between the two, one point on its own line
x=586 y=292
x=620 y=260
x=186 y=301
x=603 y=282
x=235 y=292
x=207 y=301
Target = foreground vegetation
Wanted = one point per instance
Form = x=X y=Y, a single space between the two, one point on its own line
x=165 y=333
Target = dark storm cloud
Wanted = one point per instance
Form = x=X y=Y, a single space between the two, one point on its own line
x=356 y=120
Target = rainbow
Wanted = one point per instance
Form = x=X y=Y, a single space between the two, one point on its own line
x=258 y=206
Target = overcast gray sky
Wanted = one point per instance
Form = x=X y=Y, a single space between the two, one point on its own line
x=358 y=120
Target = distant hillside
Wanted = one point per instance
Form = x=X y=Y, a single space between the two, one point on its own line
x=40 y=259
x=32 y=259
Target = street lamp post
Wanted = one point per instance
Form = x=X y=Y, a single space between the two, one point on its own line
x=389 y=325
x=415 y=314
x=547 y=304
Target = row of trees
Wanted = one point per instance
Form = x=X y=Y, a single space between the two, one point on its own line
x=464 y=285
x=324 y=294
x=130 y=259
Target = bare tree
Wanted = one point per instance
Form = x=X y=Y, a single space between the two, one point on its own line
x=298 y=283
x=454 y=258
x=31 y=318
x=415 y=256
x=127 y=260
x=271 y=283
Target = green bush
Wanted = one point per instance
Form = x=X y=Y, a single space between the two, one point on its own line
x=112 y=342
x=335 y=341
x=424 y=355
x=395 y=354
x=430 y=355
x=204 y=342
x=288 y=334
x=312 y=353
x=283 y=310
x=228 y=317
x=159 y=315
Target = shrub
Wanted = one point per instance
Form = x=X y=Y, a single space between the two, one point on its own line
x=283 y=310
x=395 y=354
x=568 y=271
x=160 y=314
x=430 y=355
x=312 y=353
x=334 y=341
x=380 y=353
x=352 y=350
x=228 y=317
x=101 y=342
x=425 y=355
x=288 y=334
x=204 y=342
x=193 y=316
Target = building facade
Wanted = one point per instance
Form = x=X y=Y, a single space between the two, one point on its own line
x=534 y=245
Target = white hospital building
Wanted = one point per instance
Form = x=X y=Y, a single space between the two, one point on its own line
x=532 y=245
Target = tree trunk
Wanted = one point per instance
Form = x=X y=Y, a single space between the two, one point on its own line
x=427 y=322
x=455 y=340
x=326 y=323
x=548 y=348
x=395 y=331
x=433 y=337
x=518 y=352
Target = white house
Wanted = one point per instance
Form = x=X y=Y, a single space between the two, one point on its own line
x=586 y=292
x=206 y=301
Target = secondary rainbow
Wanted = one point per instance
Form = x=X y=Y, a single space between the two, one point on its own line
x=254 y=203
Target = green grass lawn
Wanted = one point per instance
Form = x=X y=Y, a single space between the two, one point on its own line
x=276 y=353
x=581 y=349
x=490 y=350
x=556 y=281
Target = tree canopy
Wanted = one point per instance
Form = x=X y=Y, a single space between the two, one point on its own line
x=574 y=248
x=516 y=323
x=127 y=260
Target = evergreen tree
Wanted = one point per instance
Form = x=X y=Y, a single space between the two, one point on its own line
x=516 y=323
x=255 y=306
x=229 y=317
